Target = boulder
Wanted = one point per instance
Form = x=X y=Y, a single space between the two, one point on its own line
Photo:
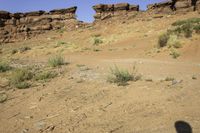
x=121 y=6
x=4 y=15
x=64 y=11
x=99 y=8
x=134 y=7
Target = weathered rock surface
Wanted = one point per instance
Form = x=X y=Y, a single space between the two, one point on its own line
x=20 y=26
x=104 y=11
x=174 y=6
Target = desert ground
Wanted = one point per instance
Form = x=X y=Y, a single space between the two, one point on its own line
x=79 y=99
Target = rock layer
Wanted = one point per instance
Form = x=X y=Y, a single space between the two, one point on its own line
x=104 y=11
x=20 y=26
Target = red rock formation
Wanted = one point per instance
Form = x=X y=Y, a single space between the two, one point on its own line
x=19 y=26
x=104 y=11
x=169 y=6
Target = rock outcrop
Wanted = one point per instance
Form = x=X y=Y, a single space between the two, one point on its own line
x=174 y=6
x=20 y=26
x=104 y=11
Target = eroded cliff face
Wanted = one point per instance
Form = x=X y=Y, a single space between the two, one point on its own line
x=174 y=6
x=20 y=26
x=107 y=11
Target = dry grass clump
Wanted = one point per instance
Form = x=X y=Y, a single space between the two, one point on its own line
x=20 y=77
x=122 y=76
x=45 y=75
x=56 y=61
x=4 y=67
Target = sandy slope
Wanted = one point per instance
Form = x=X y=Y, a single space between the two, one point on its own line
x=81 y=101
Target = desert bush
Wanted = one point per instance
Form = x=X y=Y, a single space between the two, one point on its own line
x=24 y=49
x=22 y=85
x=56 y=61
x=174 y=42
x=19 y=78
x=197 y=29
x=174 y=53
x=4 y=67
x=182 y=22
x=60 y=43
x=163 y=39
x=97 y=41
x=118 y=76
x=45 y=75
x=122 y=76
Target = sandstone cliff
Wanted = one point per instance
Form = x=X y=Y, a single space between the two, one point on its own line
x=20 y=26
x=106 y=11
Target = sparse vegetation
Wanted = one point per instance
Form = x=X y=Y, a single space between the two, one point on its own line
x=174 y=42
x=22 y=85
x=45 y=75
x=122 y=76
x=56 y=61
x=169 y=79
x=163 y=39
x=4 y=67
x=60 y=43
x=19 y=78
x=183 y=27
x=174 y=53
x=97 y=41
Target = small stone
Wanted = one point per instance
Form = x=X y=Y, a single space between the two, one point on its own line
x=174 y=82
x=3 y=97
x=40 y=125
x=24 y=131
x=194 y=77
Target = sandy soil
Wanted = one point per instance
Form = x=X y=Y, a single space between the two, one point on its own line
x=80 y=100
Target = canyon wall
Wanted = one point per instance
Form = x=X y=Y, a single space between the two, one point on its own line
x=20 y=26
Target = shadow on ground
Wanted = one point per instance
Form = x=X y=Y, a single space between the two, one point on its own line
x=183 y=127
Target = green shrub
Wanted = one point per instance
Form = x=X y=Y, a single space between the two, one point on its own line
x=19 y=76
x=45 y=75
x=56 y=61
x=197 y=29
x=187 y=30
x=174 y=42
x=4 y=67
x=174 y=53
x=97 y=41
x=120 y=76
x=182 y=22
x=163 y=39
x=60 y=43
x=22 y=85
